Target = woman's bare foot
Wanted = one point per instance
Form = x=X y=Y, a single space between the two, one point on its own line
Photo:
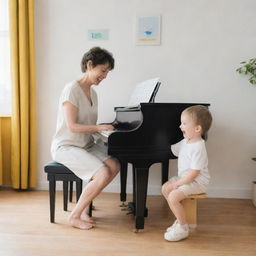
x=85 y=217
x=78 y=223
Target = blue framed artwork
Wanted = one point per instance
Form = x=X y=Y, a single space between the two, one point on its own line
x=148 y=30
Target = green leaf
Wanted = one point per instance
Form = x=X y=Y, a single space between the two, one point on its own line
x=248 y=68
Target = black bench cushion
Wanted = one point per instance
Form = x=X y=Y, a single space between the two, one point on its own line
x=54 y=167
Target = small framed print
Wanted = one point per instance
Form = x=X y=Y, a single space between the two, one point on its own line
x=148 y=30
x=98 y=34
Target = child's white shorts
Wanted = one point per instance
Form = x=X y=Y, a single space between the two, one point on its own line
x=190 y=188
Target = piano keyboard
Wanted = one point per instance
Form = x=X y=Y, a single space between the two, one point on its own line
x=106 y=133
x=102 y=136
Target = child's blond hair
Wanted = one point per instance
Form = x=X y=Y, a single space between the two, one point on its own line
x=200 y=116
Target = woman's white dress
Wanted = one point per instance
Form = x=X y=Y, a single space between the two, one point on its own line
x=77 y=151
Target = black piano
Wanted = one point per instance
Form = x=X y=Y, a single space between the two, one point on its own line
x=143 y=137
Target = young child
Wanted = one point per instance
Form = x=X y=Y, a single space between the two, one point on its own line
x=193 y=175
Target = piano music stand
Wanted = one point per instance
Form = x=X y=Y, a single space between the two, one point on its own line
x=152 y=98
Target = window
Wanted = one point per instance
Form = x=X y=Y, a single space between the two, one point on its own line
x=5 y=80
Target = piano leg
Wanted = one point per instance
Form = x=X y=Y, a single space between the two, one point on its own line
x=165 y=171
x=141 y=185
x=132 y=205
x=133 y=189
x=123 y=180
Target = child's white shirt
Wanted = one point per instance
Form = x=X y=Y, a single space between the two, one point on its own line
x=192 y=156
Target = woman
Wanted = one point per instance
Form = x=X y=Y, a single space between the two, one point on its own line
x=73 y=144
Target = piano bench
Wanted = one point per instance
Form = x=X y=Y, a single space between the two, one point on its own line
x=190 y=206
x=58 y=172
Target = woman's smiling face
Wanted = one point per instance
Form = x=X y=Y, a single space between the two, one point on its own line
x=98 y=73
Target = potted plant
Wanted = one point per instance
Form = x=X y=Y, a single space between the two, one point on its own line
x=249 y=68
x=254 y=189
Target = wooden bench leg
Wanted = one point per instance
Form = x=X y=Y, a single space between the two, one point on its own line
x=190 y=206
x=65 y=195
x=79 y=188
x=70 y=191
x=52 y=194
x=90 y=210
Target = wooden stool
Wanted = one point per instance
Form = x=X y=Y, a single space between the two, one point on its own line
x=190 y=206
x=58 y=172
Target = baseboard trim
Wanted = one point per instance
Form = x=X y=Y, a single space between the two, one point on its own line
x=156 y=190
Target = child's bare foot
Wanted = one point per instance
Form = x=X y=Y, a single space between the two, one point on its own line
x=85 y=217
x=78 y=223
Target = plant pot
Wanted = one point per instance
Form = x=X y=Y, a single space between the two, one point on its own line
x=254 y=193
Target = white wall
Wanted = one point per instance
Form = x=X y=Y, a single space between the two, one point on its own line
x=203 y=42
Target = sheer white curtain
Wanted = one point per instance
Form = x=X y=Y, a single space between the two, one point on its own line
x=5 y=81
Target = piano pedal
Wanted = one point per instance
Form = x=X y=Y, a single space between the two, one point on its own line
x=129 y=213
x=123 y=205
x=125 y=209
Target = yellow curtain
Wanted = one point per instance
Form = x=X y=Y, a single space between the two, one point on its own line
x=23 y=146
x=5 y=150
x=1 y=153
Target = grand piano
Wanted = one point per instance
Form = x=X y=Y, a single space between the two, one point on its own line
x=142 y=137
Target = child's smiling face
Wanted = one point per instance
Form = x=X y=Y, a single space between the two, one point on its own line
x=189 y=128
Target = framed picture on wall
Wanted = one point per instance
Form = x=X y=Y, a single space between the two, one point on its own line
x=148 y=30
x=98 y=34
